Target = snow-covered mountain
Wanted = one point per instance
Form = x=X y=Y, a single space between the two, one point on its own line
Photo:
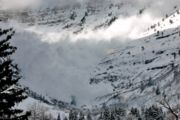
x=67 y=20
x=75 y=19
x=145 y=69
x=137 y=71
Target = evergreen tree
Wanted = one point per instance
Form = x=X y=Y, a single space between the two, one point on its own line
x=154 y=113
x=89 y=116
x=135 y=112
x=112 y=116
x=65 y=118
x=101 y=116
x=59 y=117
x=120 y=112
x=81 y=116
x=106 y=115
x=73 y=115
x=158 y=92
x=11 y=92
x=73 y=16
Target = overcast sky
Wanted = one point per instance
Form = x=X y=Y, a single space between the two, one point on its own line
x=63 y=68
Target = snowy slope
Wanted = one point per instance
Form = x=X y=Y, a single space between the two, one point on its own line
x=74 y=19
x=61 y=21
x=169 y=21
x=124 y=69
x=54 y=111
x=145 y=69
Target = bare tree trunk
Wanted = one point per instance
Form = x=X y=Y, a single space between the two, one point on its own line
x=166 y=105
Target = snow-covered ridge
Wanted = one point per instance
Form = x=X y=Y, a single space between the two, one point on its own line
x=167 y=22
x=109 y=19
x=144 y=69
x=74 y=19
